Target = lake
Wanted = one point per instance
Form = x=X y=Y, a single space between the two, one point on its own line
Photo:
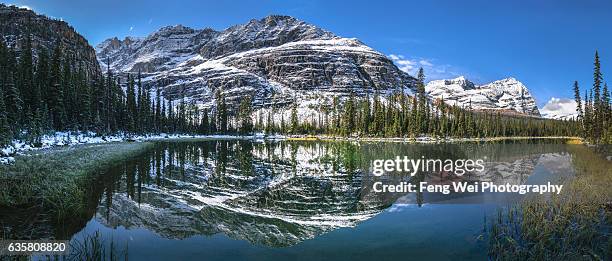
x=299 y=200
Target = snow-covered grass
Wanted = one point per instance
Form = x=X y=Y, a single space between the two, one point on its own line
x=57 y=180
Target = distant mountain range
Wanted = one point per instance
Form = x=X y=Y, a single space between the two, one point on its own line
x=280 y=60
x=507 y=95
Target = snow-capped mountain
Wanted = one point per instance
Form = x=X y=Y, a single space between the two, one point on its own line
x=507 y=95
x=560 y=109
x=275 y=60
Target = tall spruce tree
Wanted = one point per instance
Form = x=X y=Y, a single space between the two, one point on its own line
x=349 y=115
x=221 y=112
x=14 y=104
x=132 y=109
x=578 y=100
x=56 y=92
x=366 y=117
x=244 y=115
x=294 y=119
x=26 y=75
x=597 y=108
x=5 y=130
x=158 y=110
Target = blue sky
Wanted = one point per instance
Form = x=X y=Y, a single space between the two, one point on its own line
x=545 y=44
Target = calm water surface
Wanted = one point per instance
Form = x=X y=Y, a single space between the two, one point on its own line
x=220 y=200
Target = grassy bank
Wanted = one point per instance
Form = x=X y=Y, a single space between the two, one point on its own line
x=55 y=179
x=575 y=225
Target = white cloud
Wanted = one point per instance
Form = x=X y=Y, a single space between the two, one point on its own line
x=432 y=70
x=559 y=108
x=404 y=64
x=425 y=63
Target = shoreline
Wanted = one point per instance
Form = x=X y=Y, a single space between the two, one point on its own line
x=66 y=139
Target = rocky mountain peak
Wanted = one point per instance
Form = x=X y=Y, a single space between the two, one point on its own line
x=461 y=81
x=506 y=95
x=283 y=24
x=508 y=85
x=276 y=60
x=173 y=30
x=269 y=31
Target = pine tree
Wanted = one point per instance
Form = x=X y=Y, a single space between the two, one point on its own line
x=422 y=119
x=378 y=114
x=269 y=124
x=587 y=116
x=132 y=110
x=84 y=99
x=221 y=112
x=42 y=84
x=415 y=118
x=294 y=120
x=158 y=111
x=56 y=93
x=244 y=115
x=366 y=117
x=3 y=61
x=15 y=104
x=349 y=116
x=163 y=117
x=578 y=100
x=606 y=115
x=204 y=125
x=282 y=126
x=336 y=118
x=597 y=108
x=5 y=130
x=443 y=118
x=68 y=91
x=26 y=75
x=140 y=106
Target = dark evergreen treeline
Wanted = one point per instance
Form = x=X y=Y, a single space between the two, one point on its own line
x=412 y=116
x=48 y=90
x=595 y=112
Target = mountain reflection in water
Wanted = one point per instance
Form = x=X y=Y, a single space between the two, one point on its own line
x=280 y=193
x=272 y=194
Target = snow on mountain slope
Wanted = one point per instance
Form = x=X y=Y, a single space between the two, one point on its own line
x=276 y=60
x=506 y=95
x=559 y=108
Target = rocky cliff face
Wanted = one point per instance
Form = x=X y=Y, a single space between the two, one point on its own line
x=276 y=60
x=507 y=95
x=45 y=33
